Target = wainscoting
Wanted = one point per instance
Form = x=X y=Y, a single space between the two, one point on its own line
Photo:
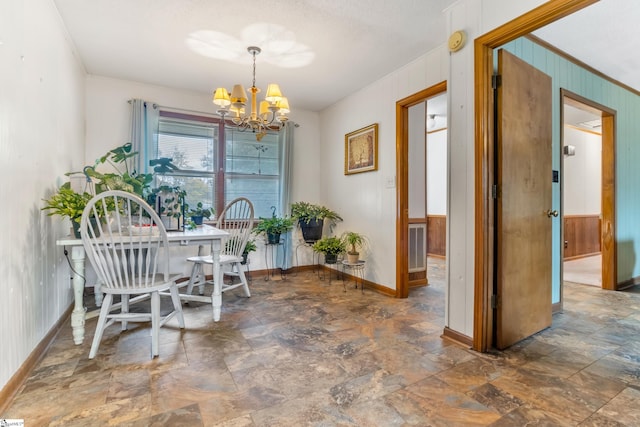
x=581 y=235
x=437 y=235
x=434 y=227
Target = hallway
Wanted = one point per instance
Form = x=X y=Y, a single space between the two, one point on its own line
x=301 y=352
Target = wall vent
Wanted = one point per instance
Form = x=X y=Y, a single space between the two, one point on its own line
x=417 y=247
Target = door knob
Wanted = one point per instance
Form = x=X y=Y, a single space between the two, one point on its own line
x=551 y=213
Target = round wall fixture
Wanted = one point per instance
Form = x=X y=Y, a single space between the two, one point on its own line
x=456 y=41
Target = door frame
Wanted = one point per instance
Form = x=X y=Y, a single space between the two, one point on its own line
x=483 y=328
x=609 y=271
x=402 y=193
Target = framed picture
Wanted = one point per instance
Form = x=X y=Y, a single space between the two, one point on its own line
x=361 y=150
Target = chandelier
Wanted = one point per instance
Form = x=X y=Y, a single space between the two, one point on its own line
x=271 y=115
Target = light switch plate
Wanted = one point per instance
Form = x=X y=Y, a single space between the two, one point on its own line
x=390 y=181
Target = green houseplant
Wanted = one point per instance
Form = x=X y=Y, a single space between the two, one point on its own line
x=273 y=227
x=249 y=247
x=168 y=202
x=331 y=247
x=311 y=219
x=119 y=178
x=67 y=203
x=353 y=241
x=199 y=213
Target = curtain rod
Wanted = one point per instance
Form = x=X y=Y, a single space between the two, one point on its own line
x=177 y=109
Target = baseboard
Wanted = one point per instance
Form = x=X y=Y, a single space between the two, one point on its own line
x=457 y=337
x=14 y=384
x=628 y=283
x=367 y=284
x=418 y=283
x=575 y=257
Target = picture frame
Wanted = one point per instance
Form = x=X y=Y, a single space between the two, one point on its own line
x=361 y=150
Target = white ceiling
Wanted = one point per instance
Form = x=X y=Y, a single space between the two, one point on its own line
x=605 y=35
x=347 y=44
x=353 y=42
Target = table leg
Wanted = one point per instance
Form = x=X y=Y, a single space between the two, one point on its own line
x=97 y=292
x=79 y=311
x=216 y=296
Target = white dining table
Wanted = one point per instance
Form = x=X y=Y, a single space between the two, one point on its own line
x=202 y=235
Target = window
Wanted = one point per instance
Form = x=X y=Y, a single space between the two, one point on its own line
x=215 y=173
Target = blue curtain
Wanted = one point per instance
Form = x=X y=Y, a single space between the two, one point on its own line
x=286 y=167
x=144 y=133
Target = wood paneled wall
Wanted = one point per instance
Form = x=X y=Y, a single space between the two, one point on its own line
x=437 y=235
x=581 y=235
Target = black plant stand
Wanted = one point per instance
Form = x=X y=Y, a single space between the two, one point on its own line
x=358 y=269
x=271 y=254
x=329 y=263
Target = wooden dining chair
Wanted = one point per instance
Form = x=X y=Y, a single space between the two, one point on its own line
x=127 y=245
x=237 y=219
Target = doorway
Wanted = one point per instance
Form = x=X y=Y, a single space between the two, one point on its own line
x=581 y=171
x=588 y=127
x=403 y=113
x=484 y=260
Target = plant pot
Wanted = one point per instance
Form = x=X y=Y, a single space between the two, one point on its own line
x=244 y=258
x=169 y=222
x=197 y=219
x=312 y=231
x=273 y=238
x=330 y=258
x=353 y=257
x=76 y=228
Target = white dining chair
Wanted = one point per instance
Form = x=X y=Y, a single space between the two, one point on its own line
x=237 y=219
x=126 y=243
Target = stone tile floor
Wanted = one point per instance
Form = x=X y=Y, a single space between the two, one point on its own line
x=301 y=352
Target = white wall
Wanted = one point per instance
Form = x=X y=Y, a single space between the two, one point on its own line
x=108 y=125
x=437 y=173
x=475 y=18
x=582 y=173
x=417 y=153
x=367 y=201
x=41 y=138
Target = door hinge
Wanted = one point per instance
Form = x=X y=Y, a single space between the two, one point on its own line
x=494 y=301
x=494 y=191
x=496 y=81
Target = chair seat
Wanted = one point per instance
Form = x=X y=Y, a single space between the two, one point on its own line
x=208 y=259
x=161 y=285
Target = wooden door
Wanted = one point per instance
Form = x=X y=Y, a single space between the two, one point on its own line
x=523 y=203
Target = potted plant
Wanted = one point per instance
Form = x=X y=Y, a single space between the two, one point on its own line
x=199 y=213
x=353 y=241
x=331 y=247
x=168 y=202
x=120 y=178
x=67 y=203
x=273 y=227
x=249 y=247
x=311 y=218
